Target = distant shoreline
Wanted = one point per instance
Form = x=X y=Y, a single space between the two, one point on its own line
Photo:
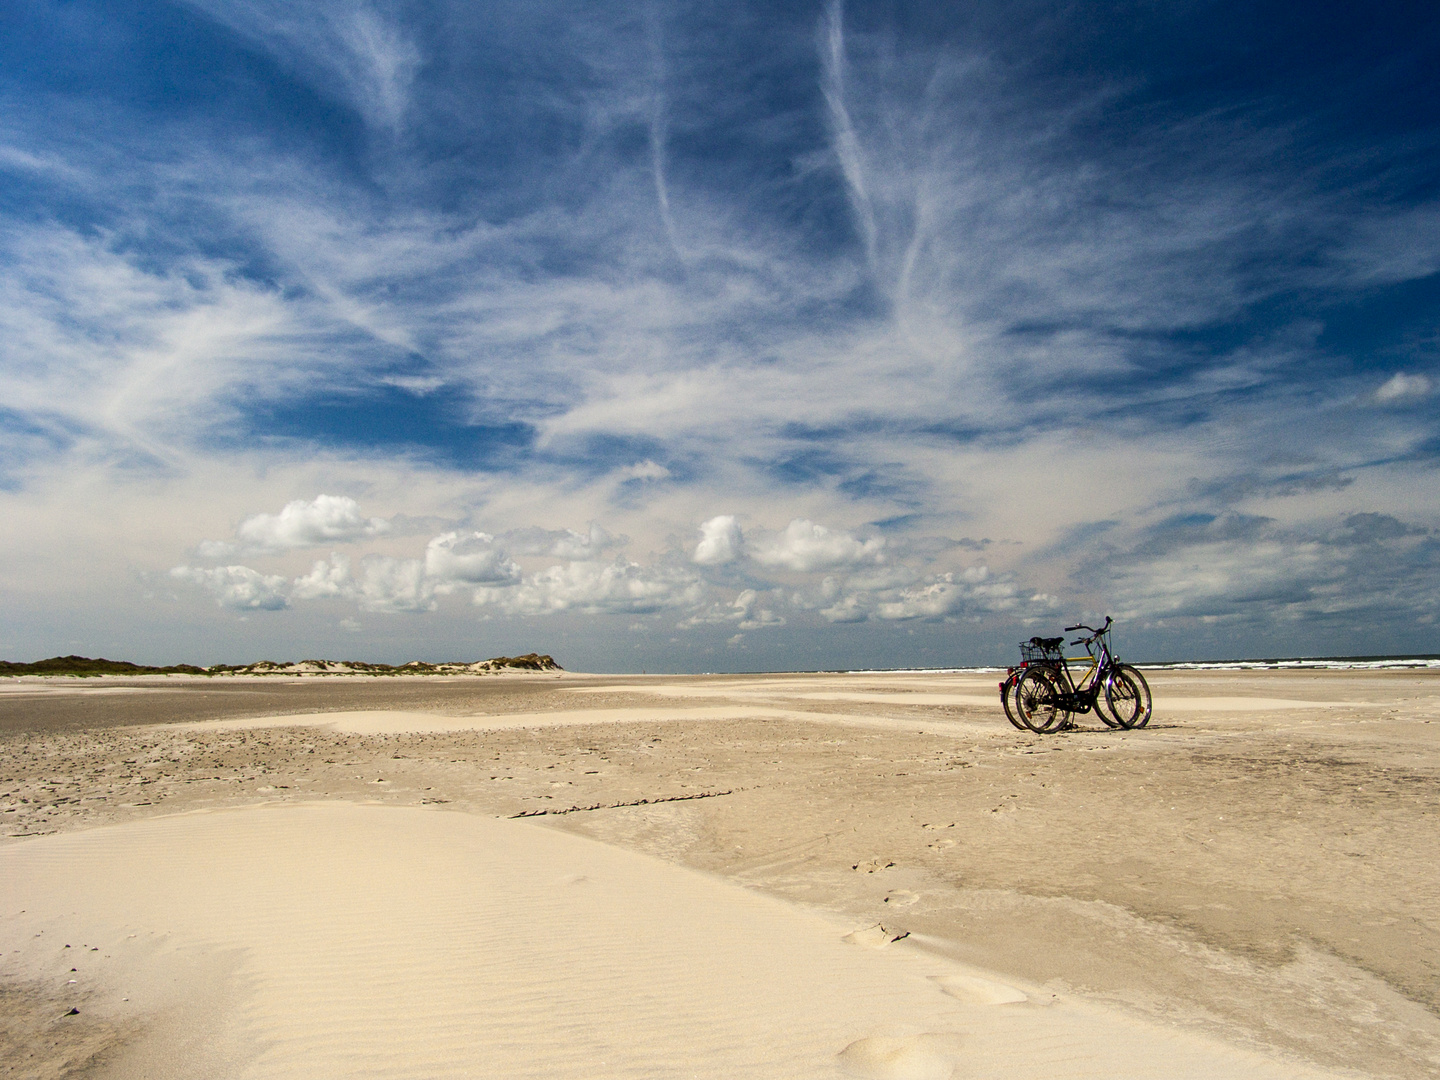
x=1322 y=663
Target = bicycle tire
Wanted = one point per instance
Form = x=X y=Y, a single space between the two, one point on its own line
x=1102 y=709
x=1007 y=688
x=1037 y=701
x=1128 y=698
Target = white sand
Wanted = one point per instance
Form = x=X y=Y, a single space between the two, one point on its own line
x=331 y=940
x=790 y=698
x=905 y=690
x=395 y=722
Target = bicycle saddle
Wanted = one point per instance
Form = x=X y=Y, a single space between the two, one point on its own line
x=1047 y=642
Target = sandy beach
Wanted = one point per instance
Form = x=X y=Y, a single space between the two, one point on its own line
x=719 y=876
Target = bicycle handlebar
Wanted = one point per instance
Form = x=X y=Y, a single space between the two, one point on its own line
x=1082 y=626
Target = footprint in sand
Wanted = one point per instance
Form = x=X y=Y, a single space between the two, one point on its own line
x=973 y=990
x=931 y=1056
x=875 y=937
x=902 y=898
x=873 y=866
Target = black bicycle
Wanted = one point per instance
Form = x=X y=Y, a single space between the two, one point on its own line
x=1047 y=694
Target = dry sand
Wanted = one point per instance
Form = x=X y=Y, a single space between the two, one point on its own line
x=322 y=878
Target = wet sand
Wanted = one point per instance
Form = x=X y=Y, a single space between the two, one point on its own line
x=1256 y=869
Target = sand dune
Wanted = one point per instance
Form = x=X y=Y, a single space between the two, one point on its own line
x=330 y=940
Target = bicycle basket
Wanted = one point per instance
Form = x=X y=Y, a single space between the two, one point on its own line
x=1038 y=648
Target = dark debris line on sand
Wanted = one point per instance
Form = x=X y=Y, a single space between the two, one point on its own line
x=618 y=805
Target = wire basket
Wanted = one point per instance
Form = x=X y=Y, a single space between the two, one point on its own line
x=1038 y=648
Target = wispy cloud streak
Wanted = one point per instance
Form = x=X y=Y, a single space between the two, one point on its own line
x=846 y=140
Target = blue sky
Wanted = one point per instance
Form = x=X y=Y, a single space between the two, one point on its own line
x=717 y=336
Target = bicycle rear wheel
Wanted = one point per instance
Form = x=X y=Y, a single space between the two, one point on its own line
x=1037 y=701
x=1007 y=689
x=1128 y=697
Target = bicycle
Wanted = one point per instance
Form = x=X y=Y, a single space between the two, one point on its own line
x=1047 y=694
x=1035 y=651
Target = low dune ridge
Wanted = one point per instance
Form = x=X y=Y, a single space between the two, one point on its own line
x=801 y=875
x=85 y=667
x=495 y=665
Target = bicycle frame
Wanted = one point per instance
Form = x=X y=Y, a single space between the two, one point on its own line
x=1082 y=695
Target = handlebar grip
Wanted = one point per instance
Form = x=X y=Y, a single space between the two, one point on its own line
x=1077 y=626
x=1080 y=641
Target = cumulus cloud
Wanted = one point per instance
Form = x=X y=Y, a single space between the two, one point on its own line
x=751 y=616
x=744 y=611
x=237 y=587
x=595 y=588
x=1402 y=387
x=474 y=558
x=721 y=541
x=973 y=591
x=805 y=546
x=900 y=593
x=385 y=584
x=848 y=609
x=327 y=578
x=1253 y=571
x=326 y=519
x=562 y=543
x=393 y=585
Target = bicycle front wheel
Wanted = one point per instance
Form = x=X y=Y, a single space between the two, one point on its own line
x=1128 y=697
x=1037 y=701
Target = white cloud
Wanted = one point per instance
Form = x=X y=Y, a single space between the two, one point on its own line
x=327 y=519
x=474 y=558
x=971 y=592
x=621 y=587
x=745 y=611
x=393 y=585
x=975 y=216
x=752 y=615
x=848 y=609
x=721 y=541
x=386 y=585
x=327 y=578
x=347 y=48
x=1403 y=387
x=562 y=543
x=237 y=587
x=644 y=470
x=805 y=546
